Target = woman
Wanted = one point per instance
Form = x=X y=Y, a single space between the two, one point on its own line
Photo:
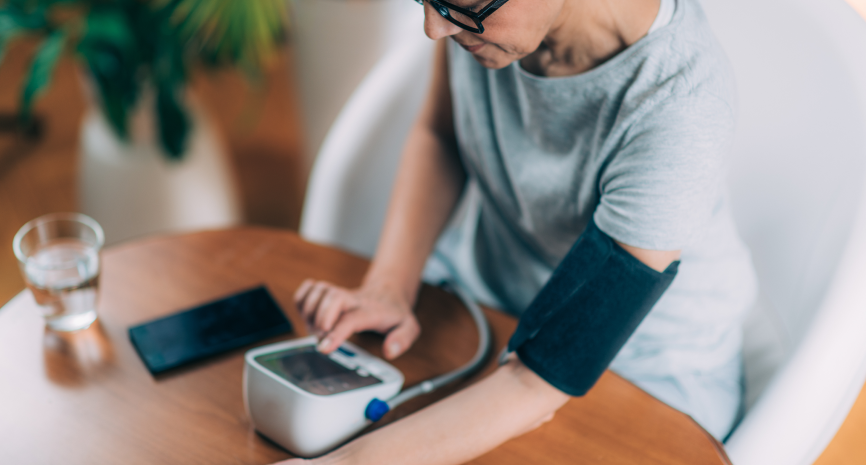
x=557 y=119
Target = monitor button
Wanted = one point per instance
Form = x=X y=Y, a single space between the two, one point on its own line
x=345 y=351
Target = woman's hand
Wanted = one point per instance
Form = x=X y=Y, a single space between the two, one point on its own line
x=335 y=313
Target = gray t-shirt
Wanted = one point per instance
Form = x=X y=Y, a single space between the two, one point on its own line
x=638 y=143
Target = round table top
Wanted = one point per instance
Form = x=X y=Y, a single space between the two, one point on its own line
x=86 y=397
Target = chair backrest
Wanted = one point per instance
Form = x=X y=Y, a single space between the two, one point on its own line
x=796 y=183
x=351 y=180
x=335 y=44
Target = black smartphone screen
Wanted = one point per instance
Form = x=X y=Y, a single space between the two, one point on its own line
x=209 y=329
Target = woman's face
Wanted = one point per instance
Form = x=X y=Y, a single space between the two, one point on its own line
x=512 y=32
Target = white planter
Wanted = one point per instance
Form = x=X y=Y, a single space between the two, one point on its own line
x=133 y=190
x=336 y=42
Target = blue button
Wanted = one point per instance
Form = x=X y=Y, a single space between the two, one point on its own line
x=345 y=351
x=376 y=409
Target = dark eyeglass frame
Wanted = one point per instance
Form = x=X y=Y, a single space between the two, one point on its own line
x=442 y=8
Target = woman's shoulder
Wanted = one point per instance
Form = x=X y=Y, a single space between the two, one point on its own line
x=681 y=60
x=685 y=61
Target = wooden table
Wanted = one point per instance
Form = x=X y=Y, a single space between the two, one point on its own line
x=86 y=398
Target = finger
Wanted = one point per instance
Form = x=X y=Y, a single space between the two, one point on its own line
x=334 y=304
x=311 y=303
x=312 y=330
x=349 y=323
x=329 y=309
x=401 y=337
x=301 y=292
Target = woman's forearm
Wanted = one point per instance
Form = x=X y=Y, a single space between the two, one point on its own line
x=428 y=184
x=510 y=402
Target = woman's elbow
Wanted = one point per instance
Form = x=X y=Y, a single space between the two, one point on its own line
x=541 y=398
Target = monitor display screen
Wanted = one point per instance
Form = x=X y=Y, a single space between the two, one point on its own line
x=315 y=372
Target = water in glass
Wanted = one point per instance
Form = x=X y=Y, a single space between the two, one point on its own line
x=63 y=275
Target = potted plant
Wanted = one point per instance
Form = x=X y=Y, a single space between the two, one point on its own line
x=150 y=160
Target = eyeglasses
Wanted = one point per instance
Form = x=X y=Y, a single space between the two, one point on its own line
x=463 y=17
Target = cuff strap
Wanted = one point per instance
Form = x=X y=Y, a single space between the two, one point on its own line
x=594 y=300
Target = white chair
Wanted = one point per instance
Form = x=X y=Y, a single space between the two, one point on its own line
x=797 y=185
x=797 y=177
x=335 y=43
x=351 y=180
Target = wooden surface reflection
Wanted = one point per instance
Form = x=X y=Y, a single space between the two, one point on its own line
x=78 y=358
x=86 y=398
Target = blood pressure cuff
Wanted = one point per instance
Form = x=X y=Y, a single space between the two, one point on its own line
x=592 y=303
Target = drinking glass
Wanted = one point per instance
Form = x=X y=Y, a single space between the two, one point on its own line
x=59 y=257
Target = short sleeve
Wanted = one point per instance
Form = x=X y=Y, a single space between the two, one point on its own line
x=660 y=188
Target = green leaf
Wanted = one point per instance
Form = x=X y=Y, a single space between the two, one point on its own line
x=113 y=54
x=109 y=26
x=32 y=18
x=8 y=23
x=8 y=30
x=173 y=122
x=14 y=21
x=114 y=75
x=239 y=32
x=41 y=70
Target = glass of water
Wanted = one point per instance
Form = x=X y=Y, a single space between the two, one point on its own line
x=59 y=257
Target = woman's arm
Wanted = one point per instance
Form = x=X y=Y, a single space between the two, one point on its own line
x=511 y=401
x=428 y=184
x=655 y=259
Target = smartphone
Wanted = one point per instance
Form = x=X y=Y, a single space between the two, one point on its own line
x=209 y=329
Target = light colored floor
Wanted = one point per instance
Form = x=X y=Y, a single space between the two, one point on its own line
x=39 y=177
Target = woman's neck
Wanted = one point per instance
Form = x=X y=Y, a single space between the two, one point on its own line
x=589 y=32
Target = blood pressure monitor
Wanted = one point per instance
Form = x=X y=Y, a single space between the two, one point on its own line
x=309 y=402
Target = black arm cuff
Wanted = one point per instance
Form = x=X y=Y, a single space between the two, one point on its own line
x=592 y=303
